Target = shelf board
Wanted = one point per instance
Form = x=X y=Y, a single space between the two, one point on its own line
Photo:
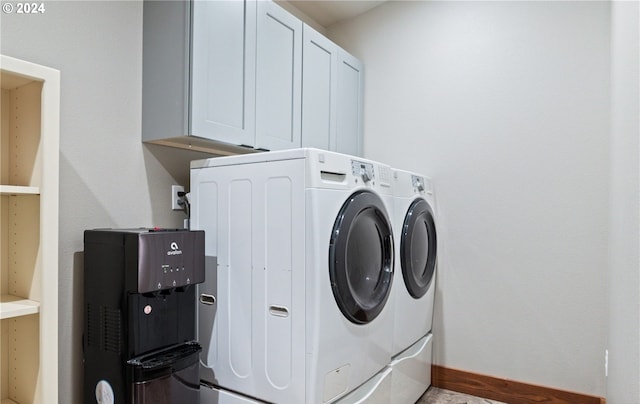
x=10 y=81
x=13 y=306
x=18 y=190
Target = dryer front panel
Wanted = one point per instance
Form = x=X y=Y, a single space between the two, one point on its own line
x=361 y=257
x=418 y=248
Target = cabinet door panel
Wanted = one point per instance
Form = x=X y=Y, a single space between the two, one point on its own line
x=350 y=85
x=222 y=103
x=165 y=69
x=278 y=78
x=319 y=84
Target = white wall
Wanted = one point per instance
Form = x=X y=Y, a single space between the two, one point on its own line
x=623 y=384
x=506 y=106
x=108 y=178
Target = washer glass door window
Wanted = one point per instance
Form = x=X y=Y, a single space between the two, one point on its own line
x=418 y=248
x=361 y=257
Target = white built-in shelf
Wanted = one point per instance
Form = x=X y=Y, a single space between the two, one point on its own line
x=14 y=306
x=29 y=166
x=18 y=190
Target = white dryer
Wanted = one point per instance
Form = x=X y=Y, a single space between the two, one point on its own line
x=413 y=289
x=300 y=266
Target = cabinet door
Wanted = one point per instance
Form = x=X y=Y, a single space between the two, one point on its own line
x=319 y=85
x=278 y=78
x=349 y=104
x=223 y=71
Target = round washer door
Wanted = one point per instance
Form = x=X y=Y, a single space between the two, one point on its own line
x=418 y=248
x=361 y=257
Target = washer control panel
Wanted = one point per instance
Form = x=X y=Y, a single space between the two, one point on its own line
x=363 y=170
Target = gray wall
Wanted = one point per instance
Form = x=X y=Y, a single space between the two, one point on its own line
x=506 y=105
x=623 y=384
x=108 y=178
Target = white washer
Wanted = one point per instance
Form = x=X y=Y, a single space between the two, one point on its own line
x=299 y=270
x=413 y=289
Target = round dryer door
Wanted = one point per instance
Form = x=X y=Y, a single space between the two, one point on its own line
x=361 y=257
x=418 y=248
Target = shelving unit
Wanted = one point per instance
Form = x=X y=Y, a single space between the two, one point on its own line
x=29 y=154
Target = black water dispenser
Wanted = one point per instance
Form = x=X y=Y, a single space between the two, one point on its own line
x=139 y=343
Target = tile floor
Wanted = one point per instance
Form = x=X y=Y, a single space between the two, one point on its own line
x=438 y=396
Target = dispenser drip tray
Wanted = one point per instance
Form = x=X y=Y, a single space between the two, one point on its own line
x=166 y=376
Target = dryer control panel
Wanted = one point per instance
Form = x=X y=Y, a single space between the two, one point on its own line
x=418 y=183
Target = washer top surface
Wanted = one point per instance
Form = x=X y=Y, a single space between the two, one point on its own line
x=324 y=169
x=289 y=154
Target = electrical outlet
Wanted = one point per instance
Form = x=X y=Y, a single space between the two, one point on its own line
x=175 y=205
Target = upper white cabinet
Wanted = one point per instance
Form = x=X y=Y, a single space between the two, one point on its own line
x=319 y=91
x=278 y=78
x=350 y=101
x=224 y=63
x=332 y=96
x=237 y=76
x=198 y=79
